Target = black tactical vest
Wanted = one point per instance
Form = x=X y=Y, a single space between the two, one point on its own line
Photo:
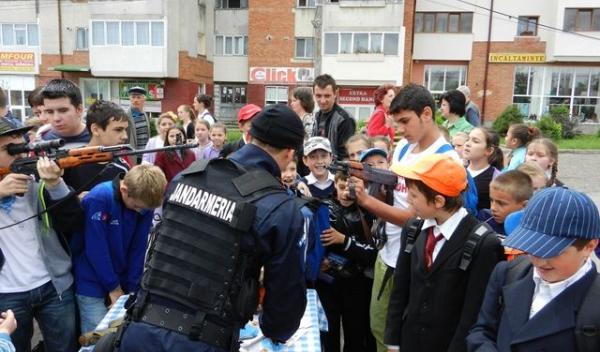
x=194 y=257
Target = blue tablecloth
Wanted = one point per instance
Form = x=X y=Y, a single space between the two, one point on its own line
x=306 y=339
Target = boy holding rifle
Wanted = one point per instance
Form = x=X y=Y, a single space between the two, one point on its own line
x=35 y=267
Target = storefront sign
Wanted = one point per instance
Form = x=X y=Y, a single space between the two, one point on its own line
x=286 y=75
x=509 y=58
x=21 y=62
x=155 y=89
x=356 y=96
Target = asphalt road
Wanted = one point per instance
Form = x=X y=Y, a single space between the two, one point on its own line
x=581 y=172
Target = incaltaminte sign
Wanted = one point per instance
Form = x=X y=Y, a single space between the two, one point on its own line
x=510 y=58
x=17 y=62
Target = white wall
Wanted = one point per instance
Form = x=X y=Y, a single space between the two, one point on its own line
x=363 y=18
x=128 y=62
x=230 y=69
x=443 y=46
x=572 y=47
x=303 y=22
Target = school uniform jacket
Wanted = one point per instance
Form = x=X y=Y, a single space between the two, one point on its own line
x=432 y=311
x=504 y=324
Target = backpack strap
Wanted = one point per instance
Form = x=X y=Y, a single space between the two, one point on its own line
x=413 y=229
x=587 y=327
x=403 y=151
x=444 y=148
x=478 y=233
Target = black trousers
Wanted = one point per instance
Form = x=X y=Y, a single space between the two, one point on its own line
x=346 y=303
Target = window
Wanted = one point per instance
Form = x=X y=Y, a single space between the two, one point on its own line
x=443 y=22
x=527 y=26
x=233 y=94
x=142 y=33
x=94 y=89
x=231 y=45
x=439 y=79
x=538 y=88
x=81 y=39
x=158 y=33
x=113 y=34
x=361 y=43
x=304 y=48
x=17 y=101
x=19 y=34
x=98 y=33
x=306 y=3
x=276 y=95
x=582 y=20
x=232 y=4
x=128 y=33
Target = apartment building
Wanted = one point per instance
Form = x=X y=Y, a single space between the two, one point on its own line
x=264 y=49
x=541 y=53
x=107 y=47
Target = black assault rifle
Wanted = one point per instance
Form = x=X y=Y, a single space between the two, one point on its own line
x=375 y=177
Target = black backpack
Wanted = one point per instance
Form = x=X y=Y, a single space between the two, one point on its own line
x=587 y=325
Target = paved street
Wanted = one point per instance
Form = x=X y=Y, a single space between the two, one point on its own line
x=581 y=172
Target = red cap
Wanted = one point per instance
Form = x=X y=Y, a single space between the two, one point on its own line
x=247 y=112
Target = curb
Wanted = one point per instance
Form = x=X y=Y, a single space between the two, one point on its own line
x=579 y=151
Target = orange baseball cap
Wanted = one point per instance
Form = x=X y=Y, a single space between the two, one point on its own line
x=439 y=172
x=247 y=112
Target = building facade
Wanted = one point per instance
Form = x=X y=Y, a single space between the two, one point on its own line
x=540 y=53
x=107 y=47
x=265 y=49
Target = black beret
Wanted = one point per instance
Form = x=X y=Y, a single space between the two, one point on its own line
x=279 y=126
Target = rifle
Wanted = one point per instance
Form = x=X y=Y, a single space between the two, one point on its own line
x=365 y=172
x=73 y=157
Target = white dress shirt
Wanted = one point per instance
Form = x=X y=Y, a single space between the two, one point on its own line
x=446 y=229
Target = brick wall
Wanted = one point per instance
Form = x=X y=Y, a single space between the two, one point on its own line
x=78 y=58
x=195 y=69
x=500 y=76
x=270 y=32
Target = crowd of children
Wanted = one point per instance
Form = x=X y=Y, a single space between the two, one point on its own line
x=402 y=267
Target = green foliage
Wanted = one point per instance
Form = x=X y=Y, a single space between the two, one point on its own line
x=153 y=131
x=550 y=128
x=598 y=133
x=560 y=114
x=233 y=135
x=439 y=119
x=509 y=116
x=361 y=124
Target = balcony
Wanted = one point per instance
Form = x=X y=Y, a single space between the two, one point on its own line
x=443 y=46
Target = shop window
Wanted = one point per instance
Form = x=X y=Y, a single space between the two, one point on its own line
x=527 y=26
x=94 y=89
x=443 y=22
x=17 y=101
x=439 y=79
x=233 y=94
x=276 y=95
x=538 y=88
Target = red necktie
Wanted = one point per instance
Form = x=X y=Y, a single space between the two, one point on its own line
x=432 y=240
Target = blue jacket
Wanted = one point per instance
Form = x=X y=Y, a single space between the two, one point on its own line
x=504 y=325
x=281 y=246
x=111 y=250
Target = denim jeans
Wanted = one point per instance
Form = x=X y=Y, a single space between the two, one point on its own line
x=142 y=337
x=91 y=311
x=55 y=316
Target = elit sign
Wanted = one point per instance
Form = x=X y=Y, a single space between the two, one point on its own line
x=285 y=75
x=510 y=58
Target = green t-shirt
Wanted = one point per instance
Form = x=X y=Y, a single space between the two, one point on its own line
x=461 y=125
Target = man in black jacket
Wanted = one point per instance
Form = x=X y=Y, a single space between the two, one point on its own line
x=332 y=121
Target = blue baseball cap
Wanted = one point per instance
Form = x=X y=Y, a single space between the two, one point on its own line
x=512 y=221
x=372 y=151
x=553 y=219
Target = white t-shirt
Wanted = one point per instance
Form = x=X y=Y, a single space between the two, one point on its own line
x=23 y=268
x=389 y=253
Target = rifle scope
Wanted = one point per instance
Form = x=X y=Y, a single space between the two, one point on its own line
x=14 y=149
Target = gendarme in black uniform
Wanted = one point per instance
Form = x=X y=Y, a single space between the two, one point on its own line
x=222 y=221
